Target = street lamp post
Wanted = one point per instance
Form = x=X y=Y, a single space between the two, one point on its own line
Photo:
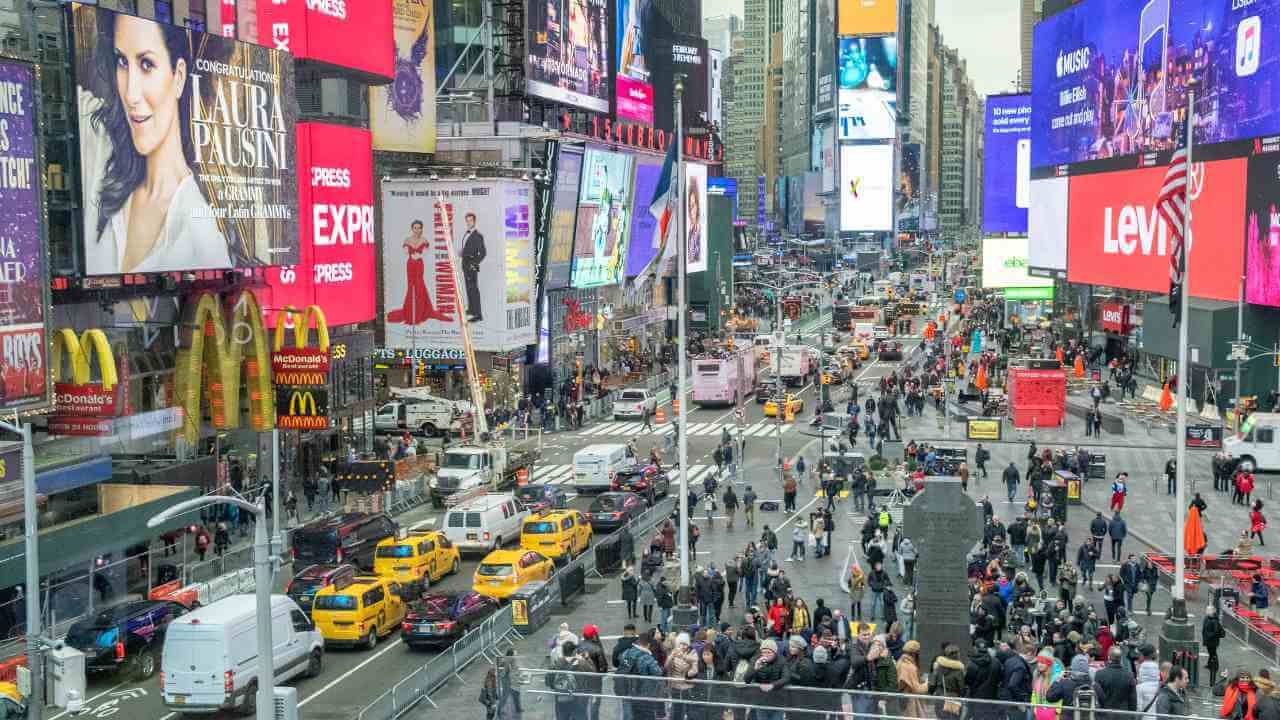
x=262 y=573
x=31 y=547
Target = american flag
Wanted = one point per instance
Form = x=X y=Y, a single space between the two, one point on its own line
x=1173 y=208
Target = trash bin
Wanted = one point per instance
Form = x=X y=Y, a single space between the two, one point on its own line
x=530 y=607
x=1097 y=466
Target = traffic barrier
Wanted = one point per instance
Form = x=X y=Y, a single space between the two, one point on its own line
x=608 y=552
x=573 y=579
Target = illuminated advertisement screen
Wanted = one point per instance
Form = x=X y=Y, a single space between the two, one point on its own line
x=643 y=246
x=604 y=222
x=868 y=63
x=1109 y=76
x=824 y=58
x=1005 y=264
x=868 y=17
x=866 y=188
x=686 y=55
x=867 y=115
x=567 y=52
x=564 y=211
x=632 y=88
x=229 y=106
x=318 y=29
x=1006 y=174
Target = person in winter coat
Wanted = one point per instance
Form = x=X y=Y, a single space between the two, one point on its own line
x=829 y=669
x=730 y=506
x=1067 y=688
x=1118 y=531
x=948 y=680
x=1211 y=633
x=1015 y=685
x=706 y=692
x=630 y=588
x=1239 y=696
x=877 y=581
x=910 y=682
x=594 y=661
x=638 y=659
x=907 y=551
x=1257 y=522
x=857 y=588
x=681 y=666
x=768 y=673
x=1011 y=480
x=982 y=682
x=1047 y=670
x=1117 y=688
x=646 y=595
x=1268 y=704
x=1148 y=680
x=800 y=673
x=1171 y=701
x=732 y=577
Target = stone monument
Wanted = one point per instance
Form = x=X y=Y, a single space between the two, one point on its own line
x=944 y=524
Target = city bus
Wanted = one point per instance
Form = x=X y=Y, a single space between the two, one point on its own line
x=724 y=378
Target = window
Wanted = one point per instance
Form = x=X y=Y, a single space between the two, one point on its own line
x=1266 y=435
x=373 y=597
x=566 y=524
x=164 y=11
x=300 y=621
x=455 y=519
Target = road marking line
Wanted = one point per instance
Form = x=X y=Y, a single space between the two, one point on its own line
x=93 y=699
x=349 y=673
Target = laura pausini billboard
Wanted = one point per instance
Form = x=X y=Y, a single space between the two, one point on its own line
x=187 y=145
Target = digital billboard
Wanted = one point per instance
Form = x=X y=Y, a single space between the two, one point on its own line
x=824 y=58
x=813 y=208
x=402 y=115
x=632 y=87
x=335 y=227
x=1005 y=264
x=604 y=222
x=1006 y=167
x=482 y=226
x=567 y=52
x=829 y=158
x=564 y=211
x=868 y=115
x=1047 y=224
x=1117 y=238
x=1262 y=230
x=1109 y=76
x=219 y=131
x=868 y=63
x=908 y=195
x=679 y=54
x=323 y=30
x=24 y=367
x=866 y=188
x=868 y=17
x=723 y=187
x=695 y=198
x=642 y=247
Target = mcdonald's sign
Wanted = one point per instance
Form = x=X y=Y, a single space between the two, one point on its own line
x=301 y=365
x=80 y=404
x=302 y=408
x=217 y=359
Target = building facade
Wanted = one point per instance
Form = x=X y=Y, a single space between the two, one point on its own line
x=745 y=107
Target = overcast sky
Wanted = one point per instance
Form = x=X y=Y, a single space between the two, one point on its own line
x=984 y=31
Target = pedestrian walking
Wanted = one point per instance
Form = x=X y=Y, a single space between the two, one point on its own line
x=646 y=594
x=749 y=506
x=1119 y=491
x=646 y=415
x=1257 y=523
x=1117 y=530
x=730 y=499
x=630 y=588
x=1011 y=480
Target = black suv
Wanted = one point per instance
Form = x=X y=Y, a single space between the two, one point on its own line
x=347 y=538
x=127 y=637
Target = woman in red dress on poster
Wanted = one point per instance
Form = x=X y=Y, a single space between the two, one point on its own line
x=417 y=307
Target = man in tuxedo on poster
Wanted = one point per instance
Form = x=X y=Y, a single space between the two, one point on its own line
x=473 y=253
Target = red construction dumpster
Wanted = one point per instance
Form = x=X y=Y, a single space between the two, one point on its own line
x=1037 y=398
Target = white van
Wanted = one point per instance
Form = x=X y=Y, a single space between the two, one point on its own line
x=595 y=465
x=485 y=523
x=210 y=656
x=1260 y=447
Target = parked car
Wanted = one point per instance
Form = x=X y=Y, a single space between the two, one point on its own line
x=646 y=481
x=440 y=618
x=127 y=637
x=358 y=612
x=540 y=498
x=610 y=511
x=890 y=351
x=502 y=572
x=304 y=586
x=634 y=403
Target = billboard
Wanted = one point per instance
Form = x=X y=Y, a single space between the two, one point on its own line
x=481 y=225
x=695 y=198
x=679 y=54
x=1109 y=76
x=1262 y=230
x=402 y=115
x=866 y=188
x=323 y=30
x=725 y=187
x=868 y=115
x=1005 y=264
x=632 y=87
x=220 y=127
x=568 y=52
x=1006 y=166
x=643 y=245
x=824 y=57
x=829 y=158
x=868 y=63
x=336 y=270
x=564 y=211
x=908 y=195
x=1047 y=224
x=868 y=17
x=24 y=370
x=1116 y=238
x=603 y=224
x=814 y=211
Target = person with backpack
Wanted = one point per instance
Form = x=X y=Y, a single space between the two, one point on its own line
x=789 y=488
x=749 y=506
x=982 y=682
x=877 y=581
x=730 y=506
x=565 y=684
x=636 y=663
x=666 y=600
x=1015 y=683
x=594 y=661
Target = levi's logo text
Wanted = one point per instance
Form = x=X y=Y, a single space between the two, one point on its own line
x=1133 y=228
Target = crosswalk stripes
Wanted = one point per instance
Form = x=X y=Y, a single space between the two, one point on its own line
x=768 y=426
x=563 y=474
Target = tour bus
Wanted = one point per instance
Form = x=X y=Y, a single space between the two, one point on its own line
x=725 y=379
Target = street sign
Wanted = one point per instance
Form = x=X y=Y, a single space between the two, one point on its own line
x=1239 y=351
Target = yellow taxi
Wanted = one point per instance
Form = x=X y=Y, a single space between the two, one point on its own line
x=793 y=403
x=358 y=612
x=857 y=349
x=558 y=534
x=502 y=572
x=416 y=560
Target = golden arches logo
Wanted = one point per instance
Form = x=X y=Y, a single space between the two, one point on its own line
x=220 y=353
x=301 y=320
x=299 y=401
x=78 y=349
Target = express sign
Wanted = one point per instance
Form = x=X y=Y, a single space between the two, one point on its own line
x=335 y=203
x=324 y=30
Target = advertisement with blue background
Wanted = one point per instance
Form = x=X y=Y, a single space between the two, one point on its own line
x=1109 y=76
x=868 y=63
x=1006 y=174
x=604 y=222
x=644 y=227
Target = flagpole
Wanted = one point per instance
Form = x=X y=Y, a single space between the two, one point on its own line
x=682 y=349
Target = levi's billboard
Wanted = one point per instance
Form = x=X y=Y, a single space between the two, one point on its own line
x=335 y=204
x=1116 y=237
x=354 y=34
x=1115 y=317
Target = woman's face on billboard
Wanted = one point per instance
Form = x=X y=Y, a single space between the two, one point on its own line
x=147 y=82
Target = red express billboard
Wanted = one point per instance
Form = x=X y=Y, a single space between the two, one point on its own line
x=335 y=205
x=1116 y=237
x=349 y=33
